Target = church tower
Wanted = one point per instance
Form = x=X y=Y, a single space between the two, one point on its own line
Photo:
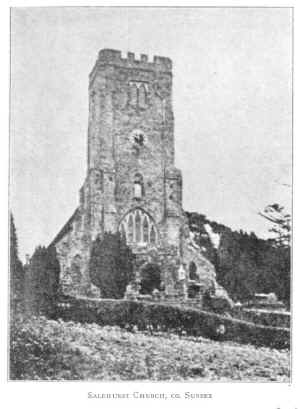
x=132 y=184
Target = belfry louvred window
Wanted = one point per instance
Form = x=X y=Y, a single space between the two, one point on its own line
x=138 y=228
x=137 y=94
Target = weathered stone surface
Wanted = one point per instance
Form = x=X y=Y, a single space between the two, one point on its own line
x=131 y=183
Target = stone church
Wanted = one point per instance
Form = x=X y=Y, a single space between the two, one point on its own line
x=132 y=184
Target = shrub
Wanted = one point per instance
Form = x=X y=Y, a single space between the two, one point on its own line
x=264 y=317
x=111 y=265
x=173 y=318
x=150 y=278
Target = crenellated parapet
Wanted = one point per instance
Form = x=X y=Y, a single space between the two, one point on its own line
x=115 y=58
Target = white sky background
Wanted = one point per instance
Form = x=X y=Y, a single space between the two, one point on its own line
x=232 y=95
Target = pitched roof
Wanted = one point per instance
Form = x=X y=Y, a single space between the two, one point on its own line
x=66 y=228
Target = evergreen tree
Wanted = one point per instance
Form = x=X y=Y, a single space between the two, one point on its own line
x=281 y=224
x=16 y=271
x=244 y=263
x=111 y=265
x=42 y=281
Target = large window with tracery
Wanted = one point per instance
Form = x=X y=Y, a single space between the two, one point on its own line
x=138 y=228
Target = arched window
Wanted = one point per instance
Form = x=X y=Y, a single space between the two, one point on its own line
x=138 y=187
x=137 y=190
x=142 y=96
x=133 y=94
x=139 y=228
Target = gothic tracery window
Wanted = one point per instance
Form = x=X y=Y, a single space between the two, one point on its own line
x=138 y=228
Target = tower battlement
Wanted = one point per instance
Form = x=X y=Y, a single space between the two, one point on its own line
x=108 y=56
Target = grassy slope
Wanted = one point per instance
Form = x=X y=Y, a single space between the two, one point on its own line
x=43 y=349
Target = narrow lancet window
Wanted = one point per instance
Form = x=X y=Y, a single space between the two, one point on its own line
x=123 y=232
x=138 y=186
x=142 y=96
x=133 y=94
x=137 y=190
x=152 y=235
x=130 y=229
x=138 y=235
x=146 y=230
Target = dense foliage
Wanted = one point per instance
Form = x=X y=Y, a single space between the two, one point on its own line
x=245 y=264
x=56 y=350
x=111 y=265
x=150 y=278
x=166 y=317
x=16 y=271
x=42 y=281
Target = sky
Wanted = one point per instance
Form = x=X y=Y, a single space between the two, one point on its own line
x=232 y=100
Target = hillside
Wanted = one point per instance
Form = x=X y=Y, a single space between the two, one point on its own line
x=55 y=350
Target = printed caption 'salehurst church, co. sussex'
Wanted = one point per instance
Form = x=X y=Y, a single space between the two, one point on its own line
x=132 y=184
